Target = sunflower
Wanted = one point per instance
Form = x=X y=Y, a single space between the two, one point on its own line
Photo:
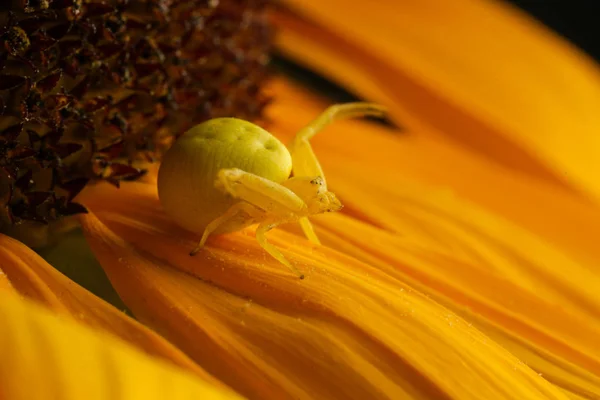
x=463 y=265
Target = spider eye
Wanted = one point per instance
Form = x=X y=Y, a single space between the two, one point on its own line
x=317 y=181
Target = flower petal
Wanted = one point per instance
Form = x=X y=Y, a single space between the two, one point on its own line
x=476 y=70
x=389 y=158
x=509 y=282
x=521 y=299
x=346 y=331
x=34 y=278
x=48 y=357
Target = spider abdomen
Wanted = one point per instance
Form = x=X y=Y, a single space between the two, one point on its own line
x=186 y=178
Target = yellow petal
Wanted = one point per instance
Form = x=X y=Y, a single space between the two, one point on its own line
x=475 y=70
x=34 y=278
x=346 y=331
x=48 y=357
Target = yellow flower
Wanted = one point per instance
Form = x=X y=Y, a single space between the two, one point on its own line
x=462 y=267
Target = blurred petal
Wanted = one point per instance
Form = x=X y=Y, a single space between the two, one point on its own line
x=34 y=278
x=346 y=331
x=476 y=70
x=48 y=357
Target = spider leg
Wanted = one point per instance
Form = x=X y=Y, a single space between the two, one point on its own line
x=238 y=210
x=272 y=250
x=304 y=160
x=308 y=230
x=278 y=204
x=272 y=197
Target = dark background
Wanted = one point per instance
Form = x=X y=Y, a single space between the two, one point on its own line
x=576 y=20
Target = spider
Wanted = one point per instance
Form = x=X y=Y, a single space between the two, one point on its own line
x=226 y=174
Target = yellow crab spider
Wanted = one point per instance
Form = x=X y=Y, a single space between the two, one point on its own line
x=226 y=174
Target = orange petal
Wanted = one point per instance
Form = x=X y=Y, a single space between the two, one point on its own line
x=488 y=76
x=519 y=297
x=508 y=282
x=34 y=278
x=391 y=159
x=346 y=331
x=47 y=357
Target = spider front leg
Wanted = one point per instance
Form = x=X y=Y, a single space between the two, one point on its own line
x=277 y=203
x=304 y=160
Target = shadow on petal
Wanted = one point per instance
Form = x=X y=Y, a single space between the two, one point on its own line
x=34 y=278
x=48 y=357
x=347 y=331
